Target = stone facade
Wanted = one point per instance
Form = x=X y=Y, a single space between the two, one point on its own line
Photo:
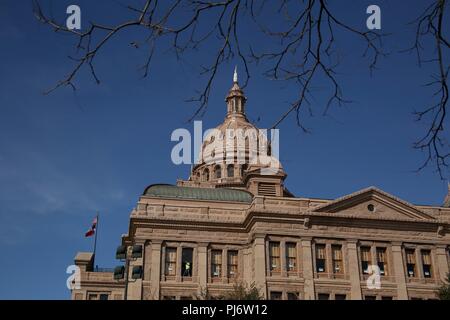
x=289 y=247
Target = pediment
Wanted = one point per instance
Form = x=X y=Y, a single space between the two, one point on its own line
x=384 y=205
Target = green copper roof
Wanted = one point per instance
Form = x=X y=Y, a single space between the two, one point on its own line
x=222 y=194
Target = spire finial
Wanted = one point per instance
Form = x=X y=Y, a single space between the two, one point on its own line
x=235 y=76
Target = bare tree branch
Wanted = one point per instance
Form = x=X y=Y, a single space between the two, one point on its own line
x=429 y=25
x=304 y=51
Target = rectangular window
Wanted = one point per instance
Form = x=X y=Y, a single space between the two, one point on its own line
x=320 y=258
x=370 y=298
x=382 y=261
x=216 y=263
x=291 y=256
x=411 y=262
x=426 y=263
x=171 y=261
x=232 y=264
x=338 y=266
x=98 y=296
x=186 y=261
x=386 y=298
x=323 y=296
x=340 y=297
x=103 y=296
x=365 y=259
x=274 y=256
x=276 y=295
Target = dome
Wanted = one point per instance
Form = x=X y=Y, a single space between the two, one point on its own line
x=235 y=148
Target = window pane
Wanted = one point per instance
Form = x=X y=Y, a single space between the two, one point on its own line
x=291 y=256
x=232 y=264
x=365 y=259
x=337 y=252
x=411 y=270
x=365 y=254
x=187 y=266
x=291 y=249
x=426 y=257
x=365 y=267
x=274 y=256
x=320 y=251
x=382 y=260
x=171 y=261
x=426 y=262
x=216 y=263
x=275 y=249
x=320 y=258
x=230 y=170
x=381 y=254
x=410 y=256
x=218 y=173
x=411 y=262
x=427 y=271
x=337 y=259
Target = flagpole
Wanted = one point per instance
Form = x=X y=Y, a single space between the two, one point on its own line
x=95 y=240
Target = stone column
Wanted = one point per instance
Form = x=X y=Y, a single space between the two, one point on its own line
x=442 y=262
x=224 y=265
x=194 y=266
x=247 y=266
x=179 y=262
x=283 y=258
x=329 y=261
x=353 y=270
x=259 y=253
x=298 y=260
x=308 y=269
x=224 y=171
x=202 y=266
x=135 y=286
x=155 y=275
x=399 y=271
x=147 y=263
x=419 y=263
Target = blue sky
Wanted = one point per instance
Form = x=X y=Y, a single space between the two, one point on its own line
x=66 y=155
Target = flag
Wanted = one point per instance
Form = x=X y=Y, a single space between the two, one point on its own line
x=91 y=231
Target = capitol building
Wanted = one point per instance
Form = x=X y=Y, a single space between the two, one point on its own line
x=235 y=222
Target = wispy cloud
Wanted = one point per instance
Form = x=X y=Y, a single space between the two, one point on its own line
x=32 y=187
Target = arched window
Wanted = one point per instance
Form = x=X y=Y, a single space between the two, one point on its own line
x=206 y=175
x=217 y=172
x=243 y=168
x=230 y=170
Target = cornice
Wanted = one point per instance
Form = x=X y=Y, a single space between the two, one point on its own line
x=252 y=217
